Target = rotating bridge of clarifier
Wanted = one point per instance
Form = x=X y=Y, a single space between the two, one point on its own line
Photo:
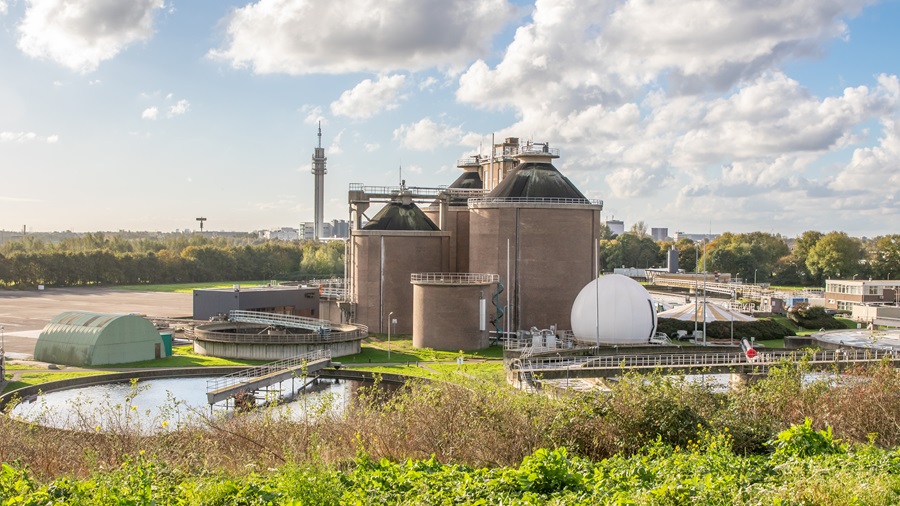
x=255 y=378
x=282 y=320
x=531 y=369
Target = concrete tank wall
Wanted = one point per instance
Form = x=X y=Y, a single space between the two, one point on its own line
x=552 y=252
x=262 y=351
x=405 y=252
x=446 y=316
x=457 y=223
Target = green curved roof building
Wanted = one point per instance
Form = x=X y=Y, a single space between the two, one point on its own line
x=80 y=338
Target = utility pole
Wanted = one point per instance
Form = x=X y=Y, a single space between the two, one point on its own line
x=201 y=220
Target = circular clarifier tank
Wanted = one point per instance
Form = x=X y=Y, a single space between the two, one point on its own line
x=613 y=310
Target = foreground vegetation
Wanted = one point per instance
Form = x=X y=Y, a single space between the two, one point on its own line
x=806 y=467
x=653 y=440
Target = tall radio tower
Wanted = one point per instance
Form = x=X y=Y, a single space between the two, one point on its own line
x=318 y=170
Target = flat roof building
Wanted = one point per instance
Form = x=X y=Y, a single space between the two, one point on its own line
x=288 y=300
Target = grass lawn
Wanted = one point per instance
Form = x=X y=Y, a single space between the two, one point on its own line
x=850 y=324
x=375 y=351
x=37 y=378
x=188 y=287
x=184 y=356
x=489 y=372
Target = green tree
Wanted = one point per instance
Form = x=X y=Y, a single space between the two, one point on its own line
x=884 y=256
x=835 y=255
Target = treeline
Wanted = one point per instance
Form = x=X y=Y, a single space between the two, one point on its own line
x=100 y=259
x=807 y=260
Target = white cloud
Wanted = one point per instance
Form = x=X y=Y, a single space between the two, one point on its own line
x=687 y=101
x=3 y=8
x=313 y=115
x=426 y=135
x=80 y=34
x=335 y=147
x=179 y=108
x=874 y=169
x=22 y=137
x=608 y=51
x=17 y=136
x=428 y=83
x=150 y=113
x=306 y=37
x=372 y=146
x=369 y=98
x=94 y=82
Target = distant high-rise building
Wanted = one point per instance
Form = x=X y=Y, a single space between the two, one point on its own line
x=281 y=234
x=695 y=237
x=340 y=228
x=319 y=171
x=307 y=230
x=659 y=234
x=617 y=227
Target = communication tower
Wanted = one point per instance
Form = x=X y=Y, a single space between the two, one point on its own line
x=319 y=171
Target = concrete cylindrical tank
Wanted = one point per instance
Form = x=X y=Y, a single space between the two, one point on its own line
x=450 y=310
x=384 y=255
x=551 y=231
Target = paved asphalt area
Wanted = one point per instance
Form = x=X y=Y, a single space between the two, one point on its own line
x=23 y=314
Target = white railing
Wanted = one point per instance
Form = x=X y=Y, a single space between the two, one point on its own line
x=282 y=320
x=454 y=278
x=707 y=360
x=246 y=375
x=389 y=191
x=543 y=201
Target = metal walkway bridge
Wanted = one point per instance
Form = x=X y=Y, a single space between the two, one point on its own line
x=536 y=368
x=255 y=378
x=280 y=320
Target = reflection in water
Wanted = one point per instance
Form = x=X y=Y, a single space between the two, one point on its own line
x=166 y=404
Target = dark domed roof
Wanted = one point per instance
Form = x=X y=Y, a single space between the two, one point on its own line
x=399 y=216
x=466 y=181
x=536 y=180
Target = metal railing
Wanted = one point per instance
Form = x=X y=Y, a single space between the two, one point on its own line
x=542 y=201
x=343 y=333
x=389 y=191
x=565 y=339
x=247 y=375
x=281 y=320
x=538 y=149
x=740 y=289
x=454 y=278
x=707 y=360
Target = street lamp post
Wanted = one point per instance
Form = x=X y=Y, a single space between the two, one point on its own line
x=754 y=276
x=390 y=322
x=696 y=288
x=731 y=313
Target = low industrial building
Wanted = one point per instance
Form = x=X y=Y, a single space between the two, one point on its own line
x=286 y=300
x=843 y=294
x=82 y=339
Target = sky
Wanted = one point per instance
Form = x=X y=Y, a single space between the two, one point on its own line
x=697 y=115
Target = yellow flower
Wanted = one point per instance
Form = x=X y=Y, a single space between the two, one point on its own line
x=165 y=424
x=133 y=408
x=97 y=428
